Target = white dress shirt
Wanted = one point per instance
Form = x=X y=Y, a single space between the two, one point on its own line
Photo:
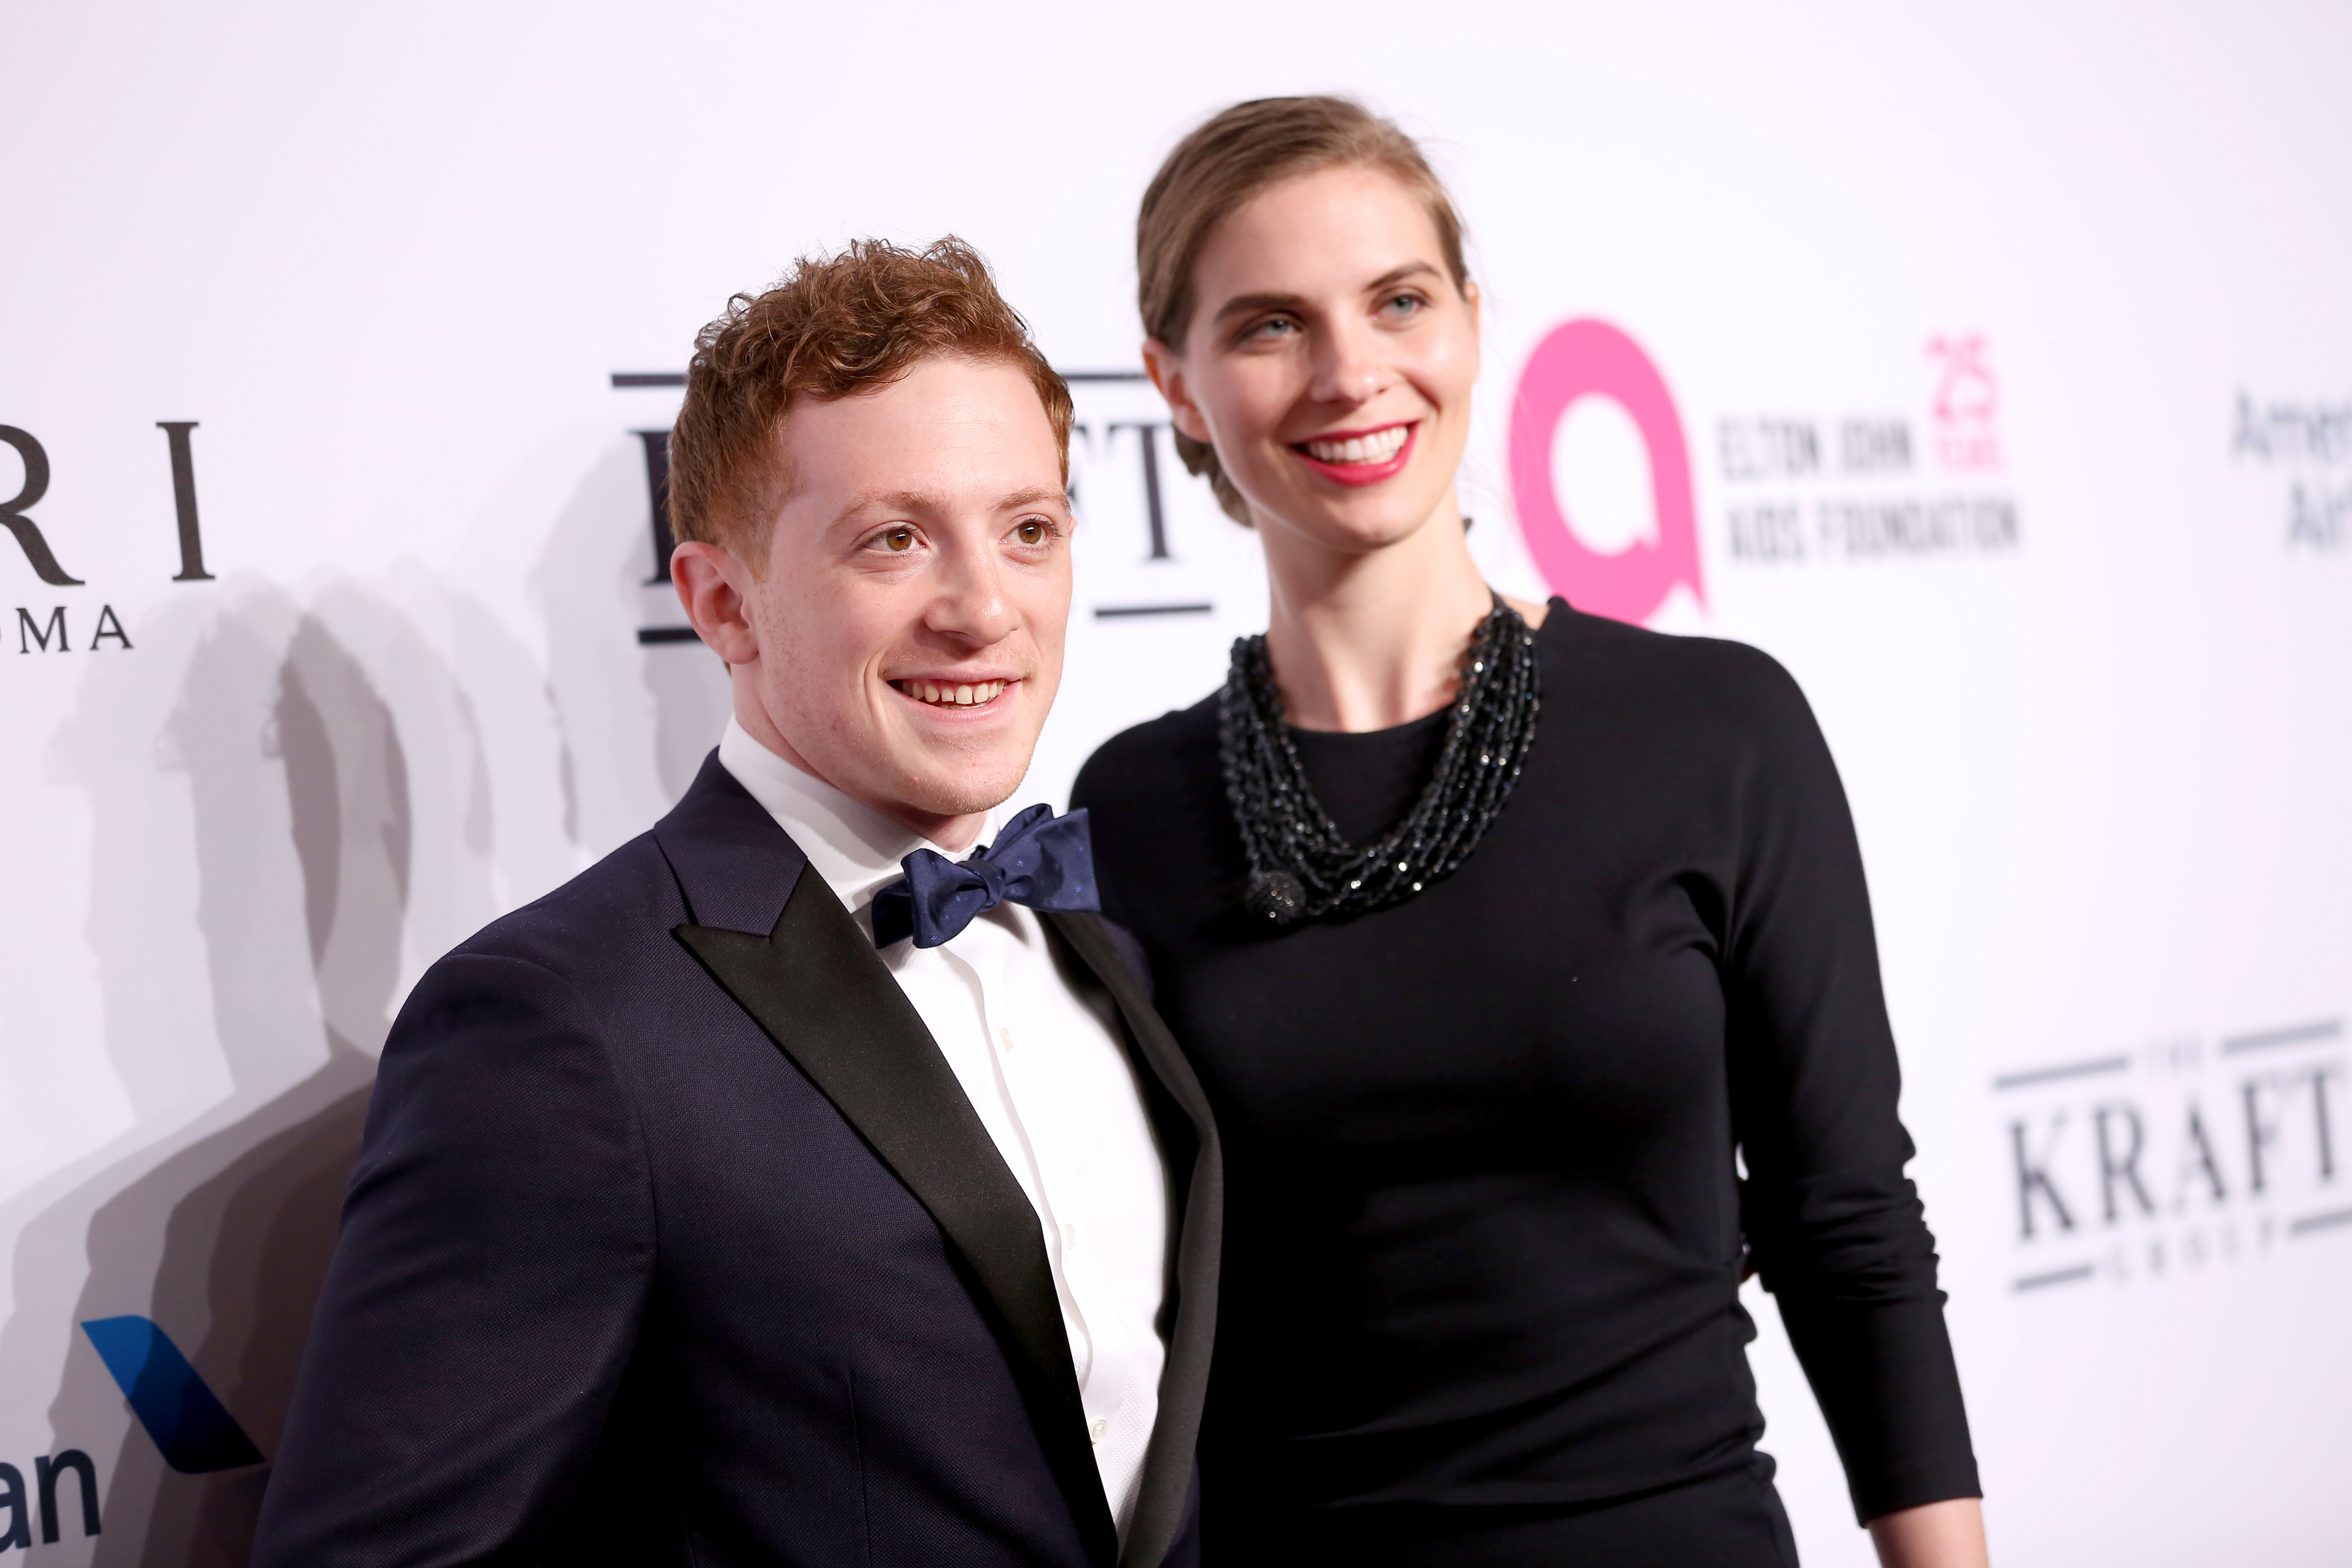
x=1052 y=1084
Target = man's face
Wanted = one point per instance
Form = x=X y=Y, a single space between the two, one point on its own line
x=911 y=621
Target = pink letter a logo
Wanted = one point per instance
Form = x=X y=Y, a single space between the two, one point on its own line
x=1592 y=358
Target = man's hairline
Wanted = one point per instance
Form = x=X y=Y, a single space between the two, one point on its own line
x=760 y=533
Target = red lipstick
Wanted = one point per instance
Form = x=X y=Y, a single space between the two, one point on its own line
x=1360 y=473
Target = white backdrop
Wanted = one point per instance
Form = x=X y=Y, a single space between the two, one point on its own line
x=2009 y=349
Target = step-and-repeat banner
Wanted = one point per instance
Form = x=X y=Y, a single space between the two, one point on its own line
x=1991 y=370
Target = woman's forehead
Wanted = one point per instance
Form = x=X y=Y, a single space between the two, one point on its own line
x=1345 y=228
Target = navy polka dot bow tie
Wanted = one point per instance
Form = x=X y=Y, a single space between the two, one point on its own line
x=1040 y=860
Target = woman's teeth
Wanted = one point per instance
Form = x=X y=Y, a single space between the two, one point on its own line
x=954 y=696
x=1376 y=447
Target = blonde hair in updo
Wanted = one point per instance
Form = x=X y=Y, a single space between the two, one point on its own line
x=1223 y=164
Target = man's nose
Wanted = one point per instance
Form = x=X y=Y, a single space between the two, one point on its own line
x=972 y=604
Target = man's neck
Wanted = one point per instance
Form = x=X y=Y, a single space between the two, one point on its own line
x=954 y=833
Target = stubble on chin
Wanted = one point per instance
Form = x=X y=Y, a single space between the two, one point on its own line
x=962 y=791
x=946 y=780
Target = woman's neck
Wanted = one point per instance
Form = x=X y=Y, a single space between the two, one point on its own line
x=1372 y=639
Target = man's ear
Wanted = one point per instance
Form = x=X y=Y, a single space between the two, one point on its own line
x=1167 y=372
x=711 y=583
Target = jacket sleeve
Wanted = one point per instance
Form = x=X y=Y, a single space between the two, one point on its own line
x=496 y=1248
x=1836 y=1228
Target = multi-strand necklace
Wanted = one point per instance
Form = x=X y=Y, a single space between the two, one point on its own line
x=1300 y=866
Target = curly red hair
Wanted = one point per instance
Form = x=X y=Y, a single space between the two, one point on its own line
x=833 y=328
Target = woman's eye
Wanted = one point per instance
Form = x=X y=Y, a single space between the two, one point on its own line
x=896 y=540
x=1279 y=326
x=1032 y=532
x=1403 y=305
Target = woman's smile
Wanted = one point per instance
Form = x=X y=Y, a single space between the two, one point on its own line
x=1363 y=457
x=1331 y=363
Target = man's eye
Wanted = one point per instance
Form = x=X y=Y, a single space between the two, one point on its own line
x=1032 y=532
x=896 y=539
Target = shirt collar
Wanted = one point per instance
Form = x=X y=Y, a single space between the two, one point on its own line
x=853 y=847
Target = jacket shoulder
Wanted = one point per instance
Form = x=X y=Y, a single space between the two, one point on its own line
x=625 y=899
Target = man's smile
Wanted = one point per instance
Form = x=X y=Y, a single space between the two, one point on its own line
x=949 y=692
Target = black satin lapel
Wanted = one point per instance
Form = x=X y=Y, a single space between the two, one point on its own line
x=826 y=998
x=1184 y=1381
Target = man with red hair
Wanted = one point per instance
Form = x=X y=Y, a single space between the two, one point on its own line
x=786 y=1189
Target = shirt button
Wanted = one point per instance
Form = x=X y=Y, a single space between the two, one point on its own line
x=1069 y=1236
x=1095 y=1433
x=1004 y=1036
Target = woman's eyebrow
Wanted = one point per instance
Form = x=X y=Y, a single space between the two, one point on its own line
x=1249 y=304
x=1244 y=303
x=1397 y=274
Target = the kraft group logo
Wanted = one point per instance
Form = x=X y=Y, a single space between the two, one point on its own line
x=2187 y=1154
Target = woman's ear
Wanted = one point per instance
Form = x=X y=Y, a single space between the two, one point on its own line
x=1167 y=372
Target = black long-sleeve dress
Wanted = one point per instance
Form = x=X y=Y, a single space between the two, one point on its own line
x=1485 y=1216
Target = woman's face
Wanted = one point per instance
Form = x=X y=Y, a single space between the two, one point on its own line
x=1329 y=359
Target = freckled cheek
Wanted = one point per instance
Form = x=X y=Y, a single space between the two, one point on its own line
x=861 y=636
x=830 y=664
x=1048 y=608
x=1045 y=664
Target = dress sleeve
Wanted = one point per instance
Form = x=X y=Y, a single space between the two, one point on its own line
x=485 y=1294
x=1835 y=1228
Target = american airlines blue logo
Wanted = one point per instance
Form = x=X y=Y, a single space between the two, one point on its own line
x=187 y=1421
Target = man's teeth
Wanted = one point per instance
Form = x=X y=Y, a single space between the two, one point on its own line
x=953 y=696
x=1376 y=447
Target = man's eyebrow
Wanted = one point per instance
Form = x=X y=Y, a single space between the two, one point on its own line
x=1035 y=497
x=1248 y=304
x=917 y=503
x=888 y=501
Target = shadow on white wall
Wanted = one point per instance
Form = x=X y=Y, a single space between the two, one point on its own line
x=339 y=786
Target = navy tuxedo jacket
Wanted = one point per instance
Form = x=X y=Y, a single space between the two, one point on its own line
x=674 y=1240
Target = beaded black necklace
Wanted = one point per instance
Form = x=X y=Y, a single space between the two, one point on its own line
x=1300 y=868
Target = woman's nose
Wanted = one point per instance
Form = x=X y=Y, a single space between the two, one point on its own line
x=1350 y=369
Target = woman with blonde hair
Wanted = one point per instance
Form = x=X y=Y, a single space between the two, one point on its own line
x=1524 y=955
